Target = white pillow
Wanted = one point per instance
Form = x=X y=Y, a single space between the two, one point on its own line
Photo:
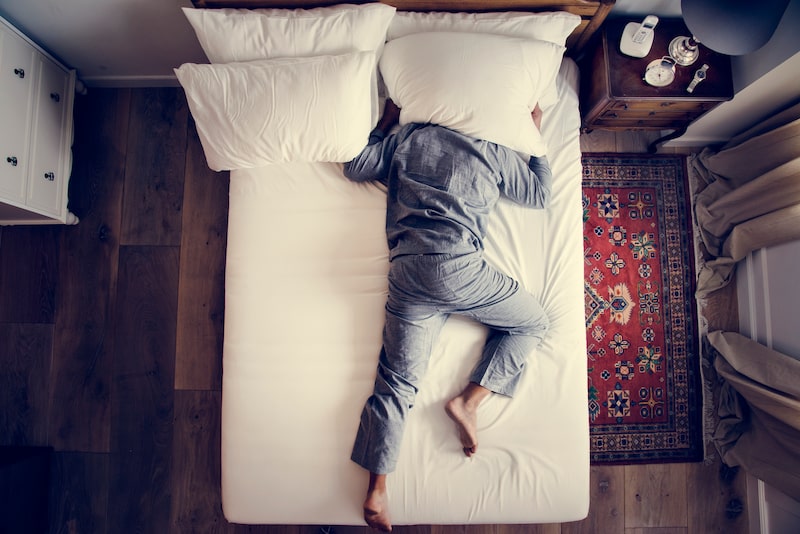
x=553 y=27
x=232 y=35
x=481 y=85
x=280 y=110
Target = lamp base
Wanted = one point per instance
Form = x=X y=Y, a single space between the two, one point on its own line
x=684 y=50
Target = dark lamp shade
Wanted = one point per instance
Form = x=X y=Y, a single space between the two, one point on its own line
x=733 y=27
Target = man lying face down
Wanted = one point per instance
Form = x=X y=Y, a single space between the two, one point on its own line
x=442 y=187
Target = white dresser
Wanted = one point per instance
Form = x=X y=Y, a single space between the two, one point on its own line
x=36 y=98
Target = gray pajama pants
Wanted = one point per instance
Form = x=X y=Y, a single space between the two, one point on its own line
x=423 y=291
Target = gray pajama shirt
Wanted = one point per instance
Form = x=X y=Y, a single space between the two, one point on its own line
x=442 y=187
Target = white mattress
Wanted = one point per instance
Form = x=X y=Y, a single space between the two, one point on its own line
x=305 y=291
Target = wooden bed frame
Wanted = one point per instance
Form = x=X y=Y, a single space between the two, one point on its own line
x=592 y=13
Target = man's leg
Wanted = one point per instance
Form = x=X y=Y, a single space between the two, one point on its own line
x=518 y=324
x=380 y=433
x=408 y=336
x=401 y=366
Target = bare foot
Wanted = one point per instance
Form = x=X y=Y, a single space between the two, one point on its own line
x=466 y=421
x=376 y=505
x=463 y=410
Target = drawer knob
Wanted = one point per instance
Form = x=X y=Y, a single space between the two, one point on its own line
x=12 y=160
x=56 y=97
x=49 y=176
x=20 y=73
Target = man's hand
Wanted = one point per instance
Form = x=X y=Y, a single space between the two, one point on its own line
x=391 y=116
x=536 y=115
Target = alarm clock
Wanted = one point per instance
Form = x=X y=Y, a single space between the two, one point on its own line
x=660 y=72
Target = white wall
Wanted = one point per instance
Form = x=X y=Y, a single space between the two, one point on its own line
x=768 y=293
x=111 y=42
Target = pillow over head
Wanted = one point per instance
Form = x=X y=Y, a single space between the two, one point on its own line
x=275 y=111
x=553 y=27
x=481 y=85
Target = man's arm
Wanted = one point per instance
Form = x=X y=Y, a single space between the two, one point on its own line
x=529 y=184
x=372 y=163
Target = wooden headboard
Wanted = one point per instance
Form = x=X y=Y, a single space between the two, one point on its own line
x=592 y=13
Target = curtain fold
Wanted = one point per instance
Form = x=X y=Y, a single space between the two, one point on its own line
x=759 y=410
x=752 y=197
x=751 y=200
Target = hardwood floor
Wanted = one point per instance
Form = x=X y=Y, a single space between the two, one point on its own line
x=111 y=340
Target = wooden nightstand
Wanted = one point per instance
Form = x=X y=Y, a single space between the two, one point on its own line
x=615 y=97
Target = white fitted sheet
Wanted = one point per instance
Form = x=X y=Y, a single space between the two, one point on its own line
x=305 y=291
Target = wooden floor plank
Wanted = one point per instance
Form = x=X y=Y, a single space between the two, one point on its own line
x=635 y=141
x=548 y=528
x=25 y=353
x=28 y=274
x=716 y=496
x=79 y=493
x=655 y=495
x=83 y=343
x=664 y=530
x=195 y=480
x=201 y=305
x=143 y=371
x=606 y=502
x=598 y=141
x=154 y=169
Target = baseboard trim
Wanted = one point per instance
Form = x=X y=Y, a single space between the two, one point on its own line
x=117 y=82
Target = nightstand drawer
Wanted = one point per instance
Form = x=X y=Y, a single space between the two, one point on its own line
x=644 y=123
x=654 y=117
x=665 y=106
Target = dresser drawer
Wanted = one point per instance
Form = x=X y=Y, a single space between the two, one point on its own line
x=16 y=87
x=48 y=176
x=36 y=100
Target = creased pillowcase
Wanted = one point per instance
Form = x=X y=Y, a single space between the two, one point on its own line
x=481 y=85
x=554 y=27
x=237 y=35
x=280 y=110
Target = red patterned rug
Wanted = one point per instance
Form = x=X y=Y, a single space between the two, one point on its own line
x=645 y=400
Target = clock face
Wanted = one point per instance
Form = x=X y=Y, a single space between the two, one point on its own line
x=659 y=73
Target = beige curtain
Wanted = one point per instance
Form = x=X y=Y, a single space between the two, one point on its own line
x=751 y=200
x=758 y=424
x=752 y=197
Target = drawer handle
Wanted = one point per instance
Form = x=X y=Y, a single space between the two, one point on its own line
x=12 y=160
x=49 y=176
x=20 y=73
x=56 y=97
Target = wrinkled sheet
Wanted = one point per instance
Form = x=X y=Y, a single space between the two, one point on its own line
x=305 y=291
